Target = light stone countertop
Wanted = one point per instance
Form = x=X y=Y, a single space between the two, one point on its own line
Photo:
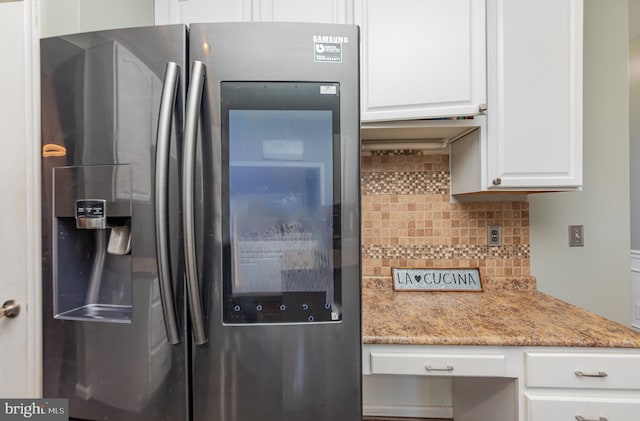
x=509 y=312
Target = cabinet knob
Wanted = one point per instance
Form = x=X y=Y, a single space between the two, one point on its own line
x=482 y=108
x=497 y=181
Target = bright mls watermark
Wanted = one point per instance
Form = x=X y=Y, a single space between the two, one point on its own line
x=34 y=409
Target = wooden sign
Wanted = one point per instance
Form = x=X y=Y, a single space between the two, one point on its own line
x=437 y=279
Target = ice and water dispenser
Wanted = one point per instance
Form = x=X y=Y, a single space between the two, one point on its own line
x=92 y=243
x=93 y=278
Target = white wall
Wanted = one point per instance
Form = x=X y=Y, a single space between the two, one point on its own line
x=595 y=276
x=634 y=119
x=58 y=17
x=634 y=18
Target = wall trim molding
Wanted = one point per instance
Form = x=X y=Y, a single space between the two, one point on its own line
x=635 y=288
x=34 y=204
x=635 y=260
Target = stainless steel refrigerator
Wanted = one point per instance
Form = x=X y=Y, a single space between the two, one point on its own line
x=201 y=232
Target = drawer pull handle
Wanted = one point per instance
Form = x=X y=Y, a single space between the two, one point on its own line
x=581 y=418
x=598 y=374
x=430 y=368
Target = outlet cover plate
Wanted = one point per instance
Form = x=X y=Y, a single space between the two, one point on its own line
x=494 y=235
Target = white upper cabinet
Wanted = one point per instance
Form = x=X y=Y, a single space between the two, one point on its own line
x=197 y=11
x=192 y=11
x=532 y=137
x=61 y=17
x=514 y=64
x=324 y=11
x=534 y=117
x=422 y=58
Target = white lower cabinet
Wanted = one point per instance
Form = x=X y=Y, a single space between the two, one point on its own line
x=561 y=408
x=498 y=383
x=583 y=371
x=594 y=386
x=438 y=364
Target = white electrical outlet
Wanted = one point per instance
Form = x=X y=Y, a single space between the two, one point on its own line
x=494 y=235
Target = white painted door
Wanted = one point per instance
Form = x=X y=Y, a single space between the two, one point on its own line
x=19 y=206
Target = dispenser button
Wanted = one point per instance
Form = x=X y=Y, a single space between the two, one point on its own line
x=91 y=214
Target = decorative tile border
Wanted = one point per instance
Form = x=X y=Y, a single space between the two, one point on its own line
x=441 y=252
x=398 y=152
x=434 y=182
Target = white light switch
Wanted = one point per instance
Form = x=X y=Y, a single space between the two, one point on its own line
x=576 y=235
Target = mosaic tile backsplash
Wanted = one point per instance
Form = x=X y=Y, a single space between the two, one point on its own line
x=408 y=220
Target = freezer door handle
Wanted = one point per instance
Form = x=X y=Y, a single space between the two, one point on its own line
x=163 y=140
x=193 y=106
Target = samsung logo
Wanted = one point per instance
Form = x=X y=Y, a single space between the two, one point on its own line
x=331 y=39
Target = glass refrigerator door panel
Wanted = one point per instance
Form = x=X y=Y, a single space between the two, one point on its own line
x=282 y=216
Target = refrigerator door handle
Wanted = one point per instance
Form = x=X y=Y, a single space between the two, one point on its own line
x=193 y=105
x=163 y=140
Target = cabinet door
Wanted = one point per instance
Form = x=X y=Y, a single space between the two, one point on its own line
x=534 y=53
x=196 y=11
x=448 y=365
x=552 y=408
x=582 y=370
x=421 y=58
x=322 y=11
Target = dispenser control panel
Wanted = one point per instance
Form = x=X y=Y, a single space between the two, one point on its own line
x=91 y=214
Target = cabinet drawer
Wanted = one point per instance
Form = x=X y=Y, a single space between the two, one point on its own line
x=552 y=408
x=583 y=371
x=437 y=364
